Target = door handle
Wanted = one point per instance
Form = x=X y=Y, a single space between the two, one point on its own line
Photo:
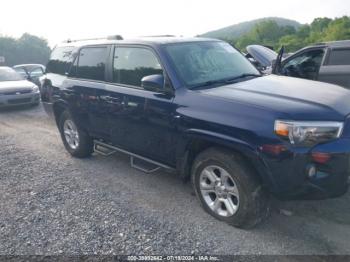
x=110 y=99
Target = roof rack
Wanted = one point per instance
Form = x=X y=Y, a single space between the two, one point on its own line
x=111 y=37
x=159 y=36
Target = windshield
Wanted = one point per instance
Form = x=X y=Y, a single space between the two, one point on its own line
x=8 y=74
x=202 y=62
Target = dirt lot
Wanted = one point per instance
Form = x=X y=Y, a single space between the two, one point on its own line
x=51 y=203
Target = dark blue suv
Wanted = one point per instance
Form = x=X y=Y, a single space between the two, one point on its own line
x=199 y=107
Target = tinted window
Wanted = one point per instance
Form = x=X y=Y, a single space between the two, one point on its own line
x=131 y=64
x=92 y=63
x=60 y=60
x=305 y=65
x=201 y=62
x=339 y=57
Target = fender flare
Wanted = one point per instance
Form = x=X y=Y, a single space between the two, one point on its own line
x=247 y=150
x=59 y=104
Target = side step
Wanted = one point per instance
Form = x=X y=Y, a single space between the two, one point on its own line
x=149 y=166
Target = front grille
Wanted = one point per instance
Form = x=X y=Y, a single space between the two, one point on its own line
x=19 y=101
x=17 y=92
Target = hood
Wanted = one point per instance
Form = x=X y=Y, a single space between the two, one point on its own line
x=298 y=98
x=8 y=86
x=262 y=54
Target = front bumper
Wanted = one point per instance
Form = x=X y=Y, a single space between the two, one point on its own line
x=20 y=99
x=289 y=176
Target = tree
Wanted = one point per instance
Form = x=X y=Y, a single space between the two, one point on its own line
x=25 y=50
x=338 y=29
x=269 y=33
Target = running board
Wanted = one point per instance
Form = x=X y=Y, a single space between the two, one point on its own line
x=107 y=150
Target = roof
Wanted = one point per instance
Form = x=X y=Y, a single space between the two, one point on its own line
x=141 y=40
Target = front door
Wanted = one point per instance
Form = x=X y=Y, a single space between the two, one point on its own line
x=142 y=121
x=304 y=65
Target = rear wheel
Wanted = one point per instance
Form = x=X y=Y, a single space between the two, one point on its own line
x=228 y=189
x=77 y=142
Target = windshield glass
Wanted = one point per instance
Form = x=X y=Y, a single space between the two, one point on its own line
x=8 y=74
x=202 y=62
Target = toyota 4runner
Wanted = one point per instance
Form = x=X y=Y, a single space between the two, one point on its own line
x=199 y=107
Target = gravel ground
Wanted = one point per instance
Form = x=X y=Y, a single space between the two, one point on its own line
x=51 y=203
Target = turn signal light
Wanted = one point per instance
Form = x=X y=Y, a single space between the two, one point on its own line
x=320 y=158
x=273 y=149
x=281 y=129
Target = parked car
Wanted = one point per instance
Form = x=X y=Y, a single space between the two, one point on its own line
x=199 y=107
x=327 y=62
x=15 y=90
x=31 y=72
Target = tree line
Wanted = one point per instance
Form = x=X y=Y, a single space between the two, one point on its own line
x=269 y=33
x=32 y=49
x=28 y=49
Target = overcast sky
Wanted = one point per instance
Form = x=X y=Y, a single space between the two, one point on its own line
x=57 y=20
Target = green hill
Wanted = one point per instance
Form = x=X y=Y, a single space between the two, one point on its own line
x=235 y=31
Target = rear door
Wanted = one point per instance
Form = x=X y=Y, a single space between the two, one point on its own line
x=140 y=120
x=336 y=69
x=86 y=85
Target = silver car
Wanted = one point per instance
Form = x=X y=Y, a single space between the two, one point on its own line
x=15 y=90
x=326 y=62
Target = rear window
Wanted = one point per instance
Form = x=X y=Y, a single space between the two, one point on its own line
x=339 y=57
x=61 y=60
x=91 y=63
x=9 y=74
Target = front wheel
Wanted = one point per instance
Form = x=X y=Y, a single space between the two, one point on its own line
x=228 y=189
x=77 y=142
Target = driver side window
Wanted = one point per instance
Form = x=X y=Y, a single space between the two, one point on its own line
x=305 y=65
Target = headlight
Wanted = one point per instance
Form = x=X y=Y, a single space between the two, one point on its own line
x=308 y=133
x=35 y=89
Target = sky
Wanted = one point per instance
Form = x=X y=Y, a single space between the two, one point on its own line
x=58 y=20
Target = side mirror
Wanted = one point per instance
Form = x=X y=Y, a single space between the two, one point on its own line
x=153 y=82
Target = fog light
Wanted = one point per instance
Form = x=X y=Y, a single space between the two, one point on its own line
x=311 y=171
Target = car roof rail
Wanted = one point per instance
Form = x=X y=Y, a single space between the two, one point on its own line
x=111 y=37
x=159 y=36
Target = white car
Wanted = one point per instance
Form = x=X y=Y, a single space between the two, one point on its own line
x=16 y=90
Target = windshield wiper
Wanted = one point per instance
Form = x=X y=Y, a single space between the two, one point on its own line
x=209 y=83
x=223 y=81
x=230 y=80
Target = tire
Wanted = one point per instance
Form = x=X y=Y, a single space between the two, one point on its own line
x=81 y=146
x=237 y=197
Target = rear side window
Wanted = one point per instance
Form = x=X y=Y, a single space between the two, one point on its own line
x=91 y=63
x=61 y=60
x=339 y=57
x=131 y=64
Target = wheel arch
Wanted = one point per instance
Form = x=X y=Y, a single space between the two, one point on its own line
x=58 y=108
x=200 y=140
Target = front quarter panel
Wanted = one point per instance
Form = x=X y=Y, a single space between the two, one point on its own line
x=240 y=127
